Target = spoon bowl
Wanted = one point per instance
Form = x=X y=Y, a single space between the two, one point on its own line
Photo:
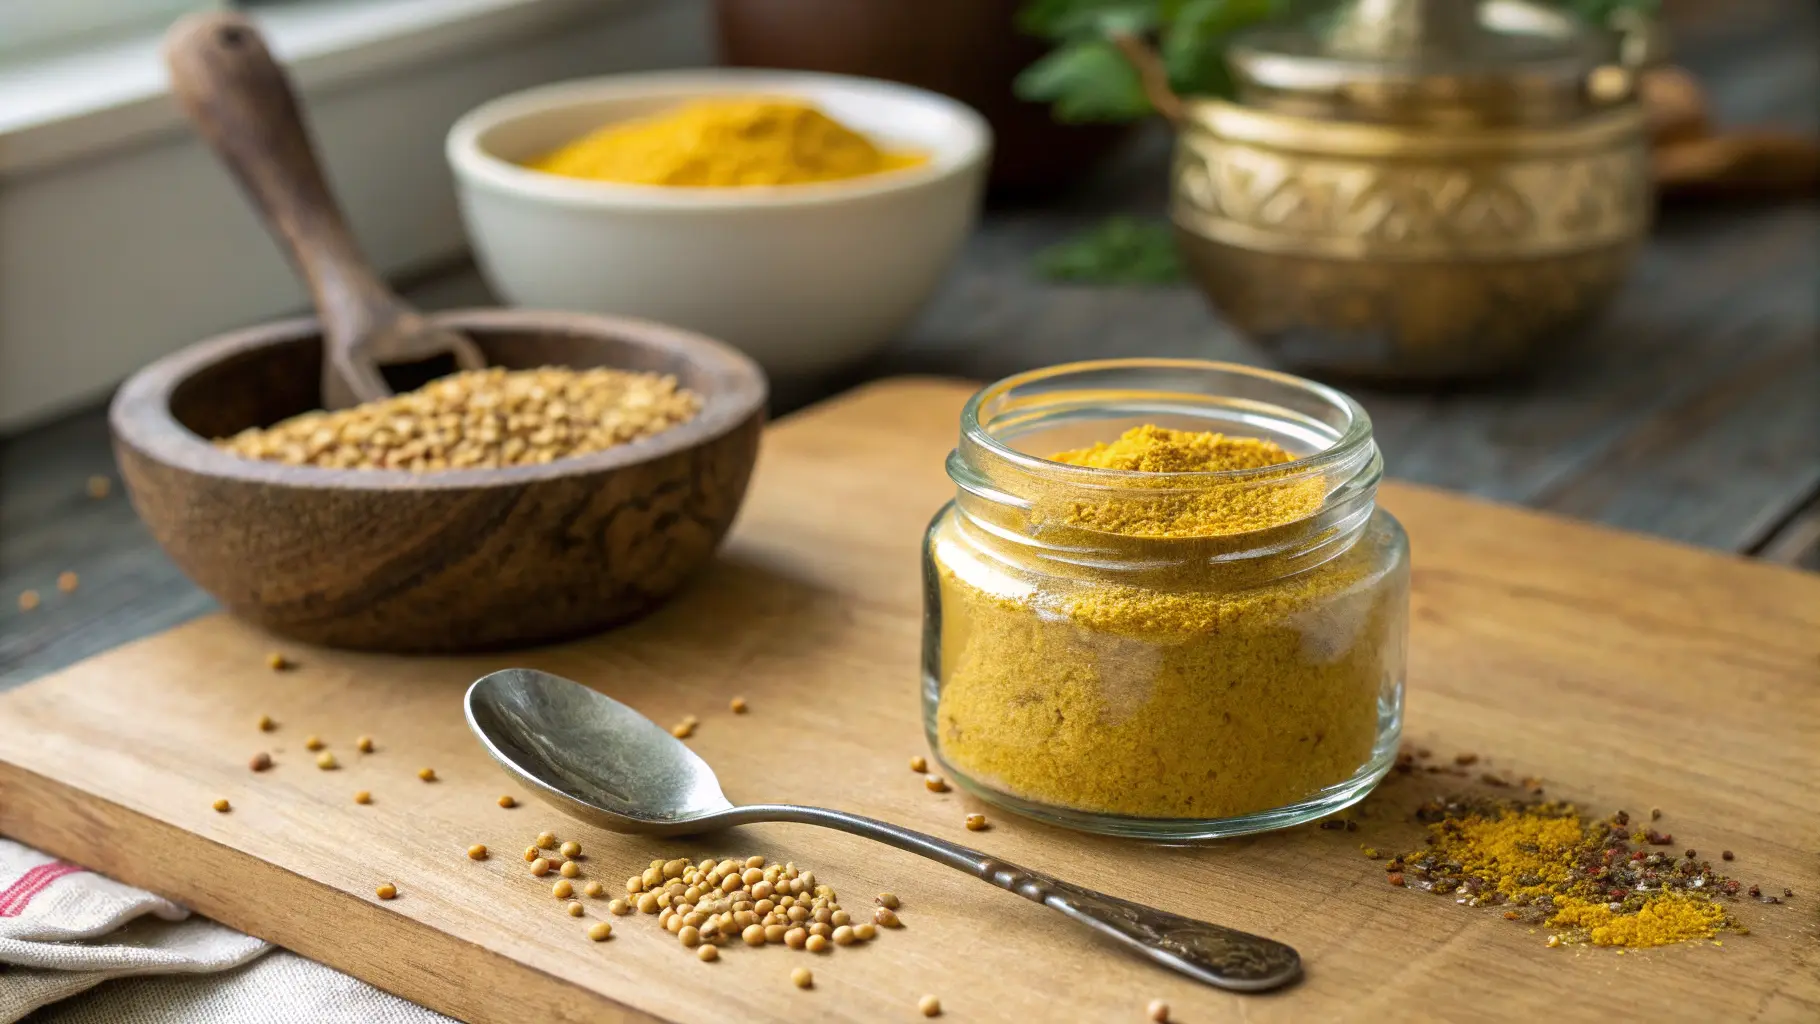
x=603 y=762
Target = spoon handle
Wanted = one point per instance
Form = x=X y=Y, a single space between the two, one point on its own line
x=1219 y=956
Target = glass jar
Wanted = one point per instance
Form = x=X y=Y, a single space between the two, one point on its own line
x=1082 y=667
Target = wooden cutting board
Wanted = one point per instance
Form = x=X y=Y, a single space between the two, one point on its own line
x=1626 y=672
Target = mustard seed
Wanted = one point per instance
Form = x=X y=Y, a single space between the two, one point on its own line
x=531 y=854
x=865 y=931
x=887 y=900
x=816 y=944
x=919 y=764
x=599 y=930
x=540 y=867
x=507 y=801
x=363 y=797
x=635 y=885
x=546 y=841
x=266 y=724
x=477 y=852
x=222 y=806
x=840 y=917
x=576 y=910
x=260 y=762
x=689 y=936
x=935 y=784
x=278 y=662
x=67 y=582
x=569 y=869
x=885 y=917
x=802 y=978
x=647 y=904
x=28 y=600
x=364 y=744
x=737 y=705
x=774 y=933
x=682 y=730
x=427 y=774
x=313 y=743
x=976 y=822
x=707 y=954
x=570 y=849
x=843 y=936
x=98 y=486
x=594 y=889
x=386 y=891
x=619 y=907
x=1158 y=1011
x=796 y=937
x=929 y=1006
x=326 y=761
x=754 y=934
x=563 y=889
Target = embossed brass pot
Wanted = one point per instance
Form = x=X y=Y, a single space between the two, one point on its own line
x=1416 y=189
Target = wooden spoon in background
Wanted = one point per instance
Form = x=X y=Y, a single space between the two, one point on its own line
x=242 y=103
x=1691 y=160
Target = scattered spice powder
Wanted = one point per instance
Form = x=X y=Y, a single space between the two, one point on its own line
x=479 y=419
x=1554 y=867
x=1169 y=693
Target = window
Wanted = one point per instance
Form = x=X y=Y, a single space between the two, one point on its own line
x=33 y=26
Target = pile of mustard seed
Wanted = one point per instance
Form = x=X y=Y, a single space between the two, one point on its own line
x=711 y=903
x=480 y=419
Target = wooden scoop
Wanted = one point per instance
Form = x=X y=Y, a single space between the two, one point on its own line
x=241 y=102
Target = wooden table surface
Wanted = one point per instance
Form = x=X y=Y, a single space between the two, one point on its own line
x=1691 y=412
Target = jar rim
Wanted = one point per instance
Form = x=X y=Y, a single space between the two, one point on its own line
x=1358 y=431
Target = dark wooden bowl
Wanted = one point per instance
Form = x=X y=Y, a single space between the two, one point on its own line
x=391 y=560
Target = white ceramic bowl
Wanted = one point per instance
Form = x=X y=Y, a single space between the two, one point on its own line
x=801 y=277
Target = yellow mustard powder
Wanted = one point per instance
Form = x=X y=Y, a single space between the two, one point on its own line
x=725 y=143
x=1181 y=696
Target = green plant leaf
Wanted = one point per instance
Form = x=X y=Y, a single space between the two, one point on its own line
x=1121 y=250
x=1085 y=81
x=1078 y=19
x=1194 y=44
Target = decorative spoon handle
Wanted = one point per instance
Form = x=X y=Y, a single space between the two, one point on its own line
x=1224 y=957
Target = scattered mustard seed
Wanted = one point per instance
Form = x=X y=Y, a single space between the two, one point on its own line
x=67 y=582
x=887 y=900
x=99 y=486
x=386 y=891
x=865 y=931
x=364 y=744
x=594 y=889
x=265 y=723
x=570 y=849
x=363 y=797
x=976 y=822
x=618 y=907
x=1158 y=1011
x=919 y=764
x=843 y=935
x=563 y=889
x=313 y=743
x=935 y=784
x=222 y=806
x=816 y=943
x=737 y=705
x=599 y=930
x=569 y=869
x=260 y=761
x=507 y=801
x=427 y=774
x=647 y=903
x=753 y=935
x=540 y=867
x=929 y=1006
x=885 y=917
x=683 y=730
x=802 y=978
x=577 y=910
x=28 y=600
x=795 y=938
x=477 y=852
x=326 y=761
x=531 y=854
x=707 y=954
x=278 y=662
x=546 y=841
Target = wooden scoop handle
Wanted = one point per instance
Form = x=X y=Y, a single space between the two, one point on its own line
x=242 y=103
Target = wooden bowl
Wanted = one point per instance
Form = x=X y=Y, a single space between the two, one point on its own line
x=391 y=560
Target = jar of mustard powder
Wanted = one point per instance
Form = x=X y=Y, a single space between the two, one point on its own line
x=1162 y=653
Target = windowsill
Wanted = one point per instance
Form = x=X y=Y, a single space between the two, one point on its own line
x=64 y=106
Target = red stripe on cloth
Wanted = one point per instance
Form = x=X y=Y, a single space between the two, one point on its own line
x=16 y=897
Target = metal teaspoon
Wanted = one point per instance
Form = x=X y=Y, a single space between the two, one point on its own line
x=602 y=762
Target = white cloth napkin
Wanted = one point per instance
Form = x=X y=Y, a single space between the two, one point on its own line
x=64 y=931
